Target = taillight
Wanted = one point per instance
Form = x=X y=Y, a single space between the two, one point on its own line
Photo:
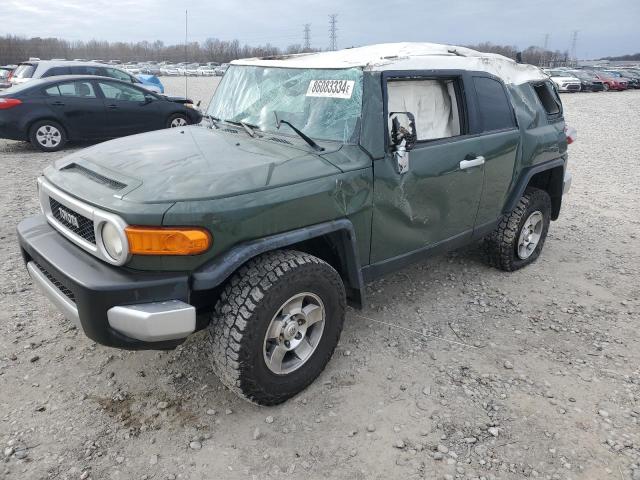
x=10 y=75
x=6 y=103
x=571 y=133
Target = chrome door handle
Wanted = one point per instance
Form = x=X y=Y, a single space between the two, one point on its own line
x=474 y=162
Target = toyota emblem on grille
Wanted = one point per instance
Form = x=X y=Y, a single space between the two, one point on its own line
x=68 y=217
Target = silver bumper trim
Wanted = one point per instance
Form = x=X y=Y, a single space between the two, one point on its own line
x=53 y=293
x=154 y=322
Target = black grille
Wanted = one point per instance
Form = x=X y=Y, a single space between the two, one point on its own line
x=96 y=177
x=68 y=293
x=84 y=228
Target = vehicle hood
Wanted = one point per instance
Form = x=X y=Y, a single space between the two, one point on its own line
x=185 y=164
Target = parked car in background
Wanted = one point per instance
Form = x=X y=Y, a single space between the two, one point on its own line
x=151 y=82
x=150 y=70
x=206 y=71
x=611 y=83
x=50 y=112
x=169 y=71
x=5 y=73
x=588 y=81
x=565 y=82
x=27 y=71
x=620 y=76
x=220 y=71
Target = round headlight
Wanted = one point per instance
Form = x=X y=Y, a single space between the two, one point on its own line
x=112 y=241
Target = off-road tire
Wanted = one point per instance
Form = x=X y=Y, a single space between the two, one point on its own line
x=33 y=133
x=501 y=246
x=245 y=309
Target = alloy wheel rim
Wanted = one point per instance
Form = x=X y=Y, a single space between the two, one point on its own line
x=178 y=122
x=530 y=235
x=294 y=333
x=48 y=136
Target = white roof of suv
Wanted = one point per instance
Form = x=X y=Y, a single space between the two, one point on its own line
x=406 y=56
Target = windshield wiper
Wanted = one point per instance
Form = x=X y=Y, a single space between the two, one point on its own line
x=247 y=127
x=213 y=120
x=307 y=139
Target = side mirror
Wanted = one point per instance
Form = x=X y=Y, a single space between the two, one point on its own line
x=403 y=138
x=148 y=98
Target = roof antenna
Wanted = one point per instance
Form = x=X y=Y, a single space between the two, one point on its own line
x=186 y=59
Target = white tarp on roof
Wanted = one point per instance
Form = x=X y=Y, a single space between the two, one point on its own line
x=407 y=56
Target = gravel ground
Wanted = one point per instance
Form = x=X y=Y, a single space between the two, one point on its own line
x=455 y=370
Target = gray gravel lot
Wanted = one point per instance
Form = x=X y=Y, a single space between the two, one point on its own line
x=455 y=370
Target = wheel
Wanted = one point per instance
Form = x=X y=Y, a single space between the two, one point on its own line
x=177 y=120
x=47 y=135
x=606 y=87
x=519 y=237
x=276 y=325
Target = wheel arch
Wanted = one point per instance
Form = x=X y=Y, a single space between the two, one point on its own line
x=31 y=123
x=334 y=242
x=549 y=177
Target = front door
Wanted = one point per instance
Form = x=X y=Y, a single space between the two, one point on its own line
x=437 y=199
x=129 y=109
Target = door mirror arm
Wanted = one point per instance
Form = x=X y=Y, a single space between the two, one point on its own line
x=403 y=138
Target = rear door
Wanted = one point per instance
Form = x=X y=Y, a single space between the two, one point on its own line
x=78 y=108
x=499 y=140
x=130 y=109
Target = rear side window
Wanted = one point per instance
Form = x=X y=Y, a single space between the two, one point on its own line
x=24 y=71
x=548 y=98
x=494 y=105
x=80 y=70
x=72 y=89
x=115 y=73
x=56 y=71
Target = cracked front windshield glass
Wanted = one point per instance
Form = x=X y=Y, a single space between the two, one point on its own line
x=325 y=104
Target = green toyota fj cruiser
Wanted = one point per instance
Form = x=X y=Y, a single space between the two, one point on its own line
x=311 y=175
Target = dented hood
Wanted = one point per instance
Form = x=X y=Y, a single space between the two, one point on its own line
x=185 y=164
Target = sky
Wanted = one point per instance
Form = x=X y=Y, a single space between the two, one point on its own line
x=604 y=27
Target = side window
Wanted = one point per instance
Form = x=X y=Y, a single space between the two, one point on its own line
x=115 y=73
x=77 y=89
x=82 y=70
x=494 y=105
x=52 y=91
x=433 y=103
x=117 y=91
x=548 y=98
x=56 y=71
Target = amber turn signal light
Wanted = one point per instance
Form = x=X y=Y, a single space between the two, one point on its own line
x=167 y=241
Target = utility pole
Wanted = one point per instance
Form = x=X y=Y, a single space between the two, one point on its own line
x=333 y=37
x=307 y=36
x=545 y=49
x=574 y=42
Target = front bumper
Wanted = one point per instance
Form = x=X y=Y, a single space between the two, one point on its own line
x=114 y=306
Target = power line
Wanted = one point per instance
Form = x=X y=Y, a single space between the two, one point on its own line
x=333 y=37
x=307 y=36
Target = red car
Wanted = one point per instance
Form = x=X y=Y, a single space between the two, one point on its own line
x=611 y=83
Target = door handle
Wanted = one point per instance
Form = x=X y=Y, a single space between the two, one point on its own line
x=58 y=104
x=474 y=162
x=112 y=107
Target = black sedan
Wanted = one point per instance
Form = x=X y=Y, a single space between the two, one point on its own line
x=52 y=111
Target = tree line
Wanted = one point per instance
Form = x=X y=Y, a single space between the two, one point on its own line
x=14 y=49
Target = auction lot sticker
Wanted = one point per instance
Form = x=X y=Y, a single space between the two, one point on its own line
x=331 y=88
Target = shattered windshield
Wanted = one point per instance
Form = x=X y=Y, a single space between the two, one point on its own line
x=325 y=104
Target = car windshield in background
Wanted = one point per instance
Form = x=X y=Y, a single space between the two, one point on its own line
x=24 y=71
x=325 y=104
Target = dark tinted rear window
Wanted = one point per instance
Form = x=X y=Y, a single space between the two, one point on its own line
x=56 y=71
x=495 y=108
x=24 y=70
x=548 y=98
x=87 y=70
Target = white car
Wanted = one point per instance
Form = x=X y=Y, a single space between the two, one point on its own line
x=564 y=80
x=205 y=72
